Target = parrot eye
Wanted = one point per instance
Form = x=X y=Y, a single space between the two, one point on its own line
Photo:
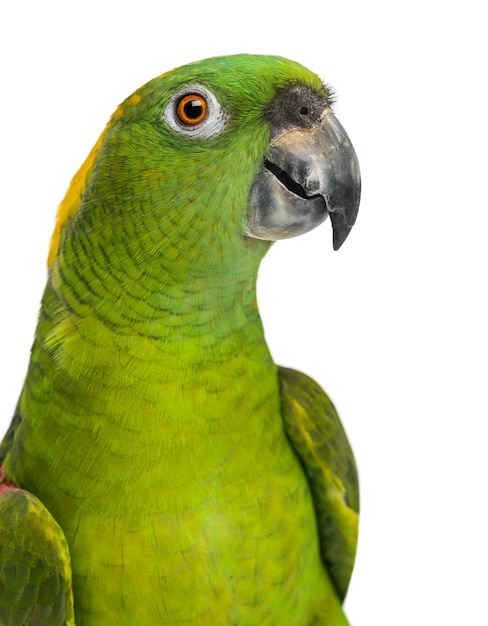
x=191 y=109
x=194 y=111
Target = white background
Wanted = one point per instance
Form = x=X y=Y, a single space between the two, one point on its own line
x=393 y=325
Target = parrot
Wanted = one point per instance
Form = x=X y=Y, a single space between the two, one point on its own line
x=160 y=468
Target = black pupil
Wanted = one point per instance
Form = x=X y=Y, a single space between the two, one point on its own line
x=193 y=109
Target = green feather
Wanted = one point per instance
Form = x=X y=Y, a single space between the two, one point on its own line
x=150 y=422
x=320 y=441
x=35 y=574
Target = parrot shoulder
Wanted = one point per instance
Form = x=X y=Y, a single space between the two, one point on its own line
x=318 y=438
x=35 y=571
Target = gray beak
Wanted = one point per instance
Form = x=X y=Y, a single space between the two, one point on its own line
x=309 y=173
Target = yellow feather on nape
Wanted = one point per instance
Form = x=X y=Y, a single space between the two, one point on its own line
x=72 y=200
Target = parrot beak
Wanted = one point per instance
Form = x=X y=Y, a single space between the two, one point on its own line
x=309 y=173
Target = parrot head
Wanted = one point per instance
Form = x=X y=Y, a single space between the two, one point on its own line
x=210 y=163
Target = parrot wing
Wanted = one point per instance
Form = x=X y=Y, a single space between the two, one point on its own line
x=35 y=570
x=316 y=433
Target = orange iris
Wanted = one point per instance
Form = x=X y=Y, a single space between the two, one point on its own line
x=192 y=109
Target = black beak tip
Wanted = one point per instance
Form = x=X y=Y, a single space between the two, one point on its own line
x=340 y=229
x=338 y=241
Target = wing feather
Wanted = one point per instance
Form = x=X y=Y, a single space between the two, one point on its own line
x=318 y=437
x=35 y=571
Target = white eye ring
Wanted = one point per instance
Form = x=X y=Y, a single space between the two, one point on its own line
x=213 y=121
